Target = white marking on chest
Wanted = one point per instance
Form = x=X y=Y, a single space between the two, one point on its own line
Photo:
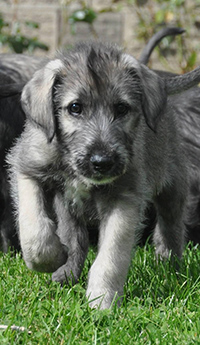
x=76 y=196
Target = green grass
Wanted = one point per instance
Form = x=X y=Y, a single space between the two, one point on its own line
x=160 y=306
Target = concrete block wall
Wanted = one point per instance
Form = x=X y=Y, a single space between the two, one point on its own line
x=119 y=25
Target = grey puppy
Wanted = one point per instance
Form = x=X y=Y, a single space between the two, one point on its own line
x=15 y=71
x=101 y=141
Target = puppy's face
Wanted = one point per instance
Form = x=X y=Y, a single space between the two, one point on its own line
x=97 y=99
x=99 y=109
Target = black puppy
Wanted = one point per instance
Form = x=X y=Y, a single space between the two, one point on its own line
x=15 y=71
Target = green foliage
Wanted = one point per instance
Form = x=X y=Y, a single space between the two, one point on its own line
x=85 y=14
x=16 y=41
x=161 y=305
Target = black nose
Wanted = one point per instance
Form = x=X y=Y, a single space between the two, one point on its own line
x=102 y=163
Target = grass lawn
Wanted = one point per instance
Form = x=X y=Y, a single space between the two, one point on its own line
x=160 y=306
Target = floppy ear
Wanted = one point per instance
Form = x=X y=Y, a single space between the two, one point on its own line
x=154 y=95
x=151 y=87
x=37 y=94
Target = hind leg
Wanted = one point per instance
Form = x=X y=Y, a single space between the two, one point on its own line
x=169 y=234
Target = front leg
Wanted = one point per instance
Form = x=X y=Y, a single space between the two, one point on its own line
x=108 y=272
x=74 y=235
x=41 y=246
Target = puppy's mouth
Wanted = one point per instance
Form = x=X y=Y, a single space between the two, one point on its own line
x=103 y=180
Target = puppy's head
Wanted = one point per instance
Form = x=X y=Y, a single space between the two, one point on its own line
x=93 y=100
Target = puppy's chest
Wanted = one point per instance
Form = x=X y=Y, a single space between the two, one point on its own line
x=80 y=201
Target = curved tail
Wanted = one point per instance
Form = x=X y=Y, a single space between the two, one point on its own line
x=183 y=82
x=155 y=39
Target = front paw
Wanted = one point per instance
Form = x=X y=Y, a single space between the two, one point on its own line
x=103 y=298
x=45 y=258
x=162 y=252
x=66 y=275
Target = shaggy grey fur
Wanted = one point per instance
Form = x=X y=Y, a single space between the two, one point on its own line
x=15 y=71
x=100 y=142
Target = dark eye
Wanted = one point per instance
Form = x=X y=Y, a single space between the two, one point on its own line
x=121 y=109
x=75 y=108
